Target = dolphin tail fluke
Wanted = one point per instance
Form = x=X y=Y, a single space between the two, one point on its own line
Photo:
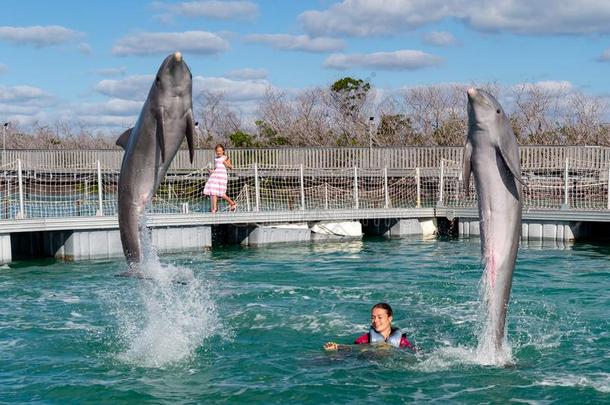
x=124 y=139
x=190 y=132
x=161 y=133
x=467 y=168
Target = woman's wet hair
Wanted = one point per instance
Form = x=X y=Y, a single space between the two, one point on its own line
x=383 y=305
x=219 y=145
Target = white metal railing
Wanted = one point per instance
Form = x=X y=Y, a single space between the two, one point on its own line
x=532 y=157
x=91 y=189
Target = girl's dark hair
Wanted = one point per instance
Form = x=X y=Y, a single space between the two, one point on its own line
x=383 y=305
x=219 y=145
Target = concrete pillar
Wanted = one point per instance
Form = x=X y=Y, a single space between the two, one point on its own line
x=5 y=248
x=264 y=235
x=396 y=227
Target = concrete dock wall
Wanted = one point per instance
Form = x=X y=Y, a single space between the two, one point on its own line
x=536 y=230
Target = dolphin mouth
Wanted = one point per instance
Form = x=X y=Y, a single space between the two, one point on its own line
x=474 y=97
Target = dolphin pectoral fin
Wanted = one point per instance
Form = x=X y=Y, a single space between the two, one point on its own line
x=161 y=133
x=124 y=139
x=512 y=163
x=190 y=132
x=467 y=168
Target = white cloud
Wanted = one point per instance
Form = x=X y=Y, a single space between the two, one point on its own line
x=605 y=56
x=387 y=17
x=439 y=38
x=397 y=60
x=233 y=90
x=223 y=10
x=549 y=86
x=38 y=36
x=297 y=42
x=247 y=73
x=85 y=48
x=117 y=71
x=115 y=106
x=372 y=17
x=146 y=43
x=22 y=93
x=129 y=88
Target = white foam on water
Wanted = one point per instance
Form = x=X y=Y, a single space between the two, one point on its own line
x=598 y=381
x=173 y=317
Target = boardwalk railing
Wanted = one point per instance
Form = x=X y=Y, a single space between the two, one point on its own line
x=91 y=189
x=532 y=157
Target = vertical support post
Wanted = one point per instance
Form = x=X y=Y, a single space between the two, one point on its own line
x=609 y=187
x=565 y=205
x=21 y=213
x=100 y=195
x=418 y=181
x=257 y=190
x=441 y=185
x=302 y=188
x=247 y=190
x=326 y=196
x=356 y=187
x=385 y=187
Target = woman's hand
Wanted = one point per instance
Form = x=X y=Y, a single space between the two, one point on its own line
x=331 y=346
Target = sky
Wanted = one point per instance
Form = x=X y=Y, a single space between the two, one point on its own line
x=94 y=61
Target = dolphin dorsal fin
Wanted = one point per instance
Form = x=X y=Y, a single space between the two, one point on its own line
x=123 y=140
x=510 y=154
x=161 y=133
x=190 y=132
x=467 y=167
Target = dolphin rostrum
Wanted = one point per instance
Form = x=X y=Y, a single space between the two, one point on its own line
x=492 y=154
x=150 y=146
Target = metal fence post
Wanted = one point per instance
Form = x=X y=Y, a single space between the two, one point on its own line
x=257 y=191
x=441 y=185
x=418 y=181
x=247 y=190
x=565 y=204
x=21 y=213
x=302 y=188
x=356 y=187
x=100 y=196
x=609 y=187
x=385 y=187
x=326 y=196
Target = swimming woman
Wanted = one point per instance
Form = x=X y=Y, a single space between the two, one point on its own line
x=380 y=331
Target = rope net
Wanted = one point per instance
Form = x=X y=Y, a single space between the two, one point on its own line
x=93 y=189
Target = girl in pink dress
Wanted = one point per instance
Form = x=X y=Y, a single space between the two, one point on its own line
x=216 y=185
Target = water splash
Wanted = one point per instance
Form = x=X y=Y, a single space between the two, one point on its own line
x=170 y=317
x=488 y=351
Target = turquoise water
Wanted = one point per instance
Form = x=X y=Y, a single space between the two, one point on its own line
x=250 y=324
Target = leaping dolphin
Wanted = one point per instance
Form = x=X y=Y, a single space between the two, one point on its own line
x=150 y=146
x=492 y=154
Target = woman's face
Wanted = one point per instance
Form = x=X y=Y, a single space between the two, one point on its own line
x=220 y=151
x=380 y=320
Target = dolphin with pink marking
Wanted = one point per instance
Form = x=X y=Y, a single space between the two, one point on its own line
x=492 y=155
x=150 y=146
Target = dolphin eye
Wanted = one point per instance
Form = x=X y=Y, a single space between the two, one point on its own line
x=498 y=111
x=158 y=79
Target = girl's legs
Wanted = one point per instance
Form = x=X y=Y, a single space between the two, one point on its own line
x=231 y=202
x=214 y=203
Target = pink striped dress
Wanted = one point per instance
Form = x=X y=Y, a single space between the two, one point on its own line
x=217 y=183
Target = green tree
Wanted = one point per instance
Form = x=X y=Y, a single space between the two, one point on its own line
x=350 y=94
x=270 y=135
x=241 y=139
